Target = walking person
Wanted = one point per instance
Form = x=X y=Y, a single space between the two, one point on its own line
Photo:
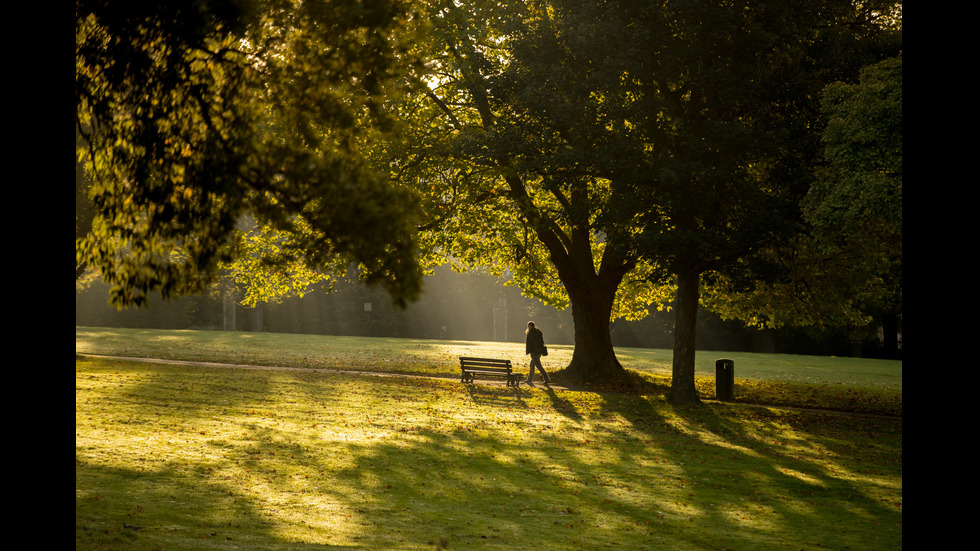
x=534 y=345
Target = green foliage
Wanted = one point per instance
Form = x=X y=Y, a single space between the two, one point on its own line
x=850 y=266
x=793 y=284
x=637 y=143
x=196 y=114
x=858 y=195
x=266 y=268
x=498 y=188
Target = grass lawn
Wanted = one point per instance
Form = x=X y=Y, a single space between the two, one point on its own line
x=236 y=458
x=846 y=384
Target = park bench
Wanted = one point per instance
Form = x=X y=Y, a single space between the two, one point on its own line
x=487 y=366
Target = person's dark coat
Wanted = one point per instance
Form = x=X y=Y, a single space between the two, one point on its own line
x=534 y=343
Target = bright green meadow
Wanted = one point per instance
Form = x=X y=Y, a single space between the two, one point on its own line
x=323 y=449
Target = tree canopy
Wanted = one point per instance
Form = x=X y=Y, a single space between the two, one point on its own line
x=502 y=188
x=606 y=151
x=608 y=155
x=195 y=114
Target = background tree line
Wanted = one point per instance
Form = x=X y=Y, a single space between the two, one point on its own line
x=612 y=157
x=473 y=305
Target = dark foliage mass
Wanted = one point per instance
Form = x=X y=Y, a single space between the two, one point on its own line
x=194 y=115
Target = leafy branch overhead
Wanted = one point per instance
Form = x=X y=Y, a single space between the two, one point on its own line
x=193 y=115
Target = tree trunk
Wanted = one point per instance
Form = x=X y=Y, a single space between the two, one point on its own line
x=682 y=389
x=594 y=360
x=256 y=316
x=228 y=311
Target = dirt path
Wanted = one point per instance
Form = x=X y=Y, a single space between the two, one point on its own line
x=491 y=382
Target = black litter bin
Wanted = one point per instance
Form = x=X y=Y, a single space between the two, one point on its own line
x=725 y=379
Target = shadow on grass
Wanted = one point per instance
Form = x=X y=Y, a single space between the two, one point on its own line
x=496 y=395
x=377 y=463
x=778 y=472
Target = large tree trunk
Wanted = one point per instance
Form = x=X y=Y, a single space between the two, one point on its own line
x=594 y=360
x=592 y=293
x=682 y=389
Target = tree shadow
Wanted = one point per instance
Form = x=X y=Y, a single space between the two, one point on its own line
x=112 y=506
x=496 y=394
x=637 y=472
x=806 y=486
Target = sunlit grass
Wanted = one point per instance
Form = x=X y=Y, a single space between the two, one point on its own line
x=848 y=384
x=227 y=458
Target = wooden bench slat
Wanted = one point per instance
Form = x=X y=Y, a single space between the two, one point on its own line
x=489 y=361
x=490 y=371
